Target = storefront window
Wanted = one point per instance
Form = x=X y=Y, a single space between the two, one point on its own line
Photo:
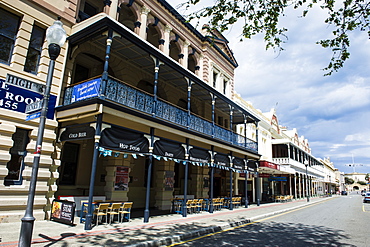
x=68 y=168
x=18 y=152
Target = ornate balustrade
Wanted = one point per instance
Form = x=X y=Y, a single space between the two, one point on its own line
x=134 y=98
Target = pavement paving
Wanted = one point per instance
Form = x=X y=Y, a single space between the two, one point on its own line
x=161 y=230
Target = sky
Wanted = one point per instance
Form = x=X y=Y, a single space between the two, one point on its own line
x=331 y=112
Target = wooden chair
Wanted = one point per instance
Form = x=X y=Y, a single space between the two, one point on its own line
x=113 y=210
x=222 y=203
x=216 y=203
x=219 y=203
x=194 y=205
x=205 y=205
x=84 y=210
x=125 y=211
x=189 y=206
x=101 y=210
x=237 y=201
x=199 y=205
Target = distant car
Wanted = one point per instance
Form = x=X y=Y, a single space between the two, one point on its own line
x=367 y=197
x=344 y=193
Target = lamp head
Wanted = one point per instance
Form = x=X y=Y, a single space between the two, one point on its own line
x=306 y=163
x=56 y=37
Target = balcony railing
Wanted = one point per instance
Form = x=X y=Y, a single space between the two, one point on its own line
x=134 y=98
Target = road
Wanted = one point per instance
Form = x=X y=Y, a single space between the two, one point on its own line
x=340 y=221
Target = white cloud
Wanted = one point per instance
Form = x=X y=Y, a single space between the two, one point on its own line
x=331 y=112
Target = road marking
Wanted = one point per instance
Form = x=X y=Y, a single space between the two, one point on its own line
x=246 y=224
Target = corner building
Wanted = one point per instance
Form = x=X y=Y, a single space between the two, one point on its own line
x=144 y=103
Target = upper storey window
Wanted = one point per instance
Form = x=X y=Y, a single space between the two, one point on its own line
x=9 y=24
x=34 y=50
x=225 y=87
x=174 y=50
x=127 y=17
x=89 y=8
x=214 y=80
x=153 y=36
x=192 y=63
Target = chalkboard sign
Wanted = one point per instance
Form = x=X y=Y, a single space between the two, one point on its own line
x=63 y=211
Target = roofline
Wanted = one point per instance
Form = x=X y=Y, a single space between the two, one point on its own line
x=187 y=24
x=107 y=22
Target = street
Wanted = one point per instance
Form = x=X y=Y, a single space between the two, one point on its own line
x=340 y=221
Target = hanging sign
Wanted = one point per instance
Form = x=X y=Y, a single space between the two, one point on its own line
x=63 y=211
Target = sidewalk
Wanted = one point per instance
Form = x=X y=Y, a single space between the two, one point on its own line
x=160 y=231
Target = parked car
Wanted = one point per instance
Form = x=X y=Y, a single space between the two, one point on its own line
x=344 y=193
x=367 y=197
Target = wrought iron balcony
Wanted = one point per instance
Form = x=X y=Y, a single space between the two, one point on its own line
x=128 y=96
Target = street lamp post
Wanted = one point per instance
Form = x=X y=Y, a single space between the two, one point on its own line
x=307 y=184
x=55 y=37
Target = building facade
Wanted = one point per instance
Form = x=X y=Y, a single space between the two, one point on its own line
x=357 y=177
x=286 y=165
x=144 y=107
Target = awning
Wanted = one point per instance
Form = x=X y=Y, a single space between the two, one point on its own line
x=199 y=155
x=238 y=163
x=252 y=165
x=222 y=160
x=169 y=149
x=124 y=140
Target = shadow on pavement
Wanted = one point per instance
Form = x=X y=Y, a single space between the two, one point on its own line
x=257 y=234
x=276 y=234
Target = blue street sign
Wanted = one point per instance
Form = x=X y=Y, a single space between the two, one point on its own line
x=33 y=116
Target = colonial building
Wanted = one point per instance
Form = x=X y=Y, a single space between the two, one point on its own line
x=144 y=107
x=286 y=165
x=331 y=181
x=357 y=177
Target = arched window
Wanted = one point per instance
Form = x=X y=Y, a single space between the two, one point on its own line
x=127 y=17
x=153 y=36
x=174 y=50
x=191 y=63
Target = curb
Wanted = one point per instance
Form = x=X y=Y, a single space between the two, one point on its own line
x=213 y=229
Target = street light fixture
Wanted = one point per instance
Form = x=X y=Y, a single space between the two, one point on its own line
x=307 y=184
x=55 y=37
